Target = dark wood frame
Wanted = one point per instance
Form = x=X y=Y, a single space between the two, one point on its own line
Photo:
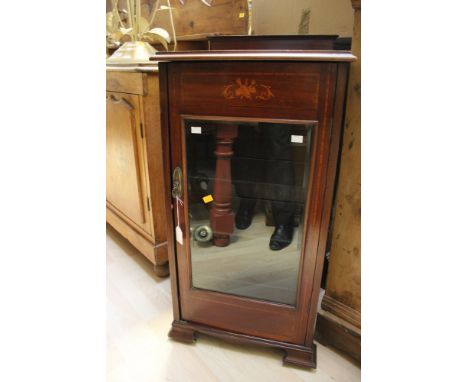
x=299 y=347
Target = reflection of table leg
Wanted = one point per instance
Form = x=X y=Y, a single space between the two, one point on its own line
x=221 y=215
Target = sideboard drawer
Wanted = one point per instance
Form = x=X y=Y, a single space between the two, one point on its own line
x=122 y=82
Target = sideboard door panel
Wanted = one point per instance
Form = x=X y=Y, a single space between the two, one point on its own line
x=125 y=180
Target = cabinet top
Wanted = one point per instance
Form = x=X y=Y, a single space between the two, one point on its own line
x=252 y=55
x=150 y=67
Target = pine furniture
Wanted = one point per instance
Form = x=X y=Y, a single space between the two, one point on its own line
x=134 y=182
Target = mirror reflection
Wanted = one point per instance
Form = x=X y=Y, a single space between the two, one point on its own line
x=247 y=187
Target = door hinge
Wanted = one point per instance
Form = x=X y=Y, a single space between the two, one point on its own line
x=141 y=129
x=148 y=204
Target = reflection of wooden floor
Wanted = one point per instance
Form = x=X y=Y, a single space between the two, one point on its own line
x=247 y=266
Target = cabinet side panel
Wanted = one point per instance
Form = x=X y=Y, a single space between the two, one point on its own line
x=336 y=115
x=165 y=139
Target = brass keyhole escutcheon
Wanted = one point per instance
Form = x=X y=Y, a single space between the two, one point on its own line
x=177 y=183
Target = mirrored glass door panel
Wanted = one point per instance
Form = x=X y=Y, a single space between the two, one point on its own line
x=246 y=193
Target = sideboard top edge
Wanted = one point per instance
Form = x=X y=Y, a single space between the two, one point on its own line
x=151 y=67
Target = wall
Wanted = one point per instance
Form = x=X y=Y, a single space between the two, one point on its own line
x=284 y=16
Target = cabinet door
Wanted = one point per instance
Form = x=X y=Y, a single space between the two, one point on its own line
x=126 y=188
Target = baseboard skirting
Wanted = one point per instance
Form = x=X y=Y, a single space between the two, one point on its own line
x=335 y=332
x=341 y=310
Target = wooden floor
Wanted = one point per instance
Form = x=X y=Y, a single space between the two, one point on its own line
x=139 y=315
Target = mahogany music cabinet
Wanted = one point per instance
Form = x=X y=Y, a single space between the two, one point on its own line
x=250 y=148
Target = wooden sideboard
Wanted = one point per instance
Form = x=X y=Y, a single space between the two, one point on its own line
x=134 y=183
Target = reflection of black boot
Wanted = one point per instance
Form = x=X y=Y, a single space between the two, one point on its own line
x=282 y=237
x=245 y=213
